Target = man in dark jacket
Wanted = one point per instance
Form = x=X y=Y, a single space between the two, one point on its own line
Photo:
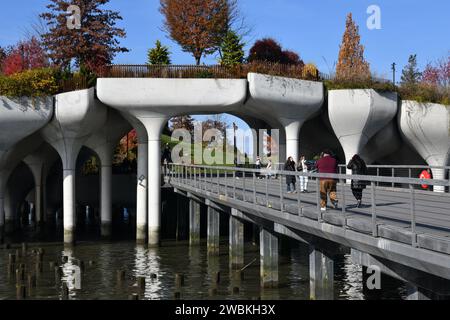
x=327 y=164
x=290 y=179
x=358 y=167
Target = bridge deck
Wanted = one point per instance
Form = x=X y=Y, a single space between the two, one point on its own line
x=393 y=207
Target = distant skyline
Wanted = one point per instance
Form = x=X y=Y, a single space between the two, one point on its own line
x=313 y=29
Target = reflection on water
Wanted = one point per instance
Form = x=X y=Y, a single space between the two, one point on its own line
x=90 y=272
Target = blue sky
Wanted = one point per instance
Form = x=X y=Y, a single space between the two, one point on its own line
x=312 y=28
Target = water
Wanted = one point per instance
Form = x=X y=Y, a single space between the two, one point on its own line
x=99 y=281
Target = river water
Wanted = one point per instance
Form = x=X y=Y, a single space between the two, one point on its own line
x=103 y=259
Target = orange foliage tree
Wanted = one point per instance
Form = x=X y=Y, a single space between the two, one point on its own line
x=198 y=26
x=351 y=64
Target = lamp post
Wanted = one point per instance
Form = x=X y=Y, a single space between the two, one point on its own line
x=393 y=72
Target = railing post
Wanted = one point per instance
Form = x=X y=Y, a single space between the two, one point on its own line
x=243 y=185
x=319 y=211
x=254 y=188
x=413 y=216
x=234 y=183
x=393 y=175
x=267 y=191
x=281 y=194
x=211 y=179
x=344 y=211
x=218 y=183
x=299 y=199
x=374 y=210
x=378 y=174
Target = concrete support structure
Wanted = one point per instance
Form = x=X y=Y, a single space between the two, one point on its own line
x=213 y=237
x=103 y=143
x=426 y=126
x=289 y=102
x=416 y=293
x=321 y=274
x=153 y=103
x=236 y=250
x=268 y=252
x=142 y=179
x=77 y=115
x=194 y=223
x=357 y=115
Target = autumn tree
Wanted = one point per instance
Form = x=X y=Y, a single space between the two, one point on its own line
x=351 y=64
x=410 y=73
x=91 y=46
x=269 y=50
x=198 y=26
x=183 y=122
x=2 y=57
x=159 y=55
x=232 y=50
x=438 y=74
x=25 y=55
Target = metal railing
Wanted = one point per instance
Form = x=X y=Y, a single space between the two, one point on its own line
x=260 y=189
x=212 y=71
x=407 y=171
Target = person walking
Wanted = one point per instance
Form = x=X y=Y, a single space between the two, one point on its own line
x=358 y=167
x=303 y=167
x=290 y=179
x=327 y=164
x=269 y=169
x=258 y=167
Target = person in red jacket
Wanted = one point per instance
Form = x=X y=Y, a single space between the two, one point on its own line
x=327 y=164
x=425 y=174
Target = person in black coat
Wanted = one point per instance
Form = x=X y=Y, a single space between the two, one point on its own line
x=358 y=167
x=290 y=180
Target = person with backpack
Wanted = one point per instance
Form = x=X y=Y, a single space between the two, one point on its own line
x=358 y=167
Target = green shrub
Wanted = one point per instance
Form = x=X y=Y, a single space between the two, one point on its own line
x=360 y=84
x=423 y=92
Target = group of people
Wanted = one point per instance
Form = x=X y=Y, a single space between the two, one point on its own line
x=327 y=164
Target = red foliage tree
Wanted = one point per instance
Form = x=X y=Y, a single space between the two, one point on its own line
x=438 y=74
x=270 y=50
x=26 y=55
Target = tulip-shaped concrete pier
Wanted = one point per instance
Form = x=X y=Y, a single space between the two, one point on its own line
x=153 y=102
x=103 y=143
x=19 y=118
x=77 y=116
x=426 y=126
x=289 y=102
x=357 y=115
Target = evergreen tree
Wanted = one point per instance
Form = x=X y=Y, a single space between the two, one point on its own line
x=410 y=73
x=232 y=50
x=351 y=64
x=159 y=55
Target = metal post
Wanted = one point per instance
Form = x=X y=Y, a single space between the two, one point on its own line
x=344 y=211
x=319 y=212
x=374 y=211
x=393 y=175
x=413 y=216
x=281 y=194
x=267 y=191
x=243 y=185
x=254 y=187
x=299 y=200
x=378 y=174
x=218 y=183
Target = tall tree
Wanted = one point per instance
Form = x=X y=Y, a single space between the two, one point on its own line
x=198 y=26
x=23 y=56
x=351 y=64
x=159 y=55
x=232 y=50
x=410 y=73
x=93 y=45
x=183 y=122
x=438 y=73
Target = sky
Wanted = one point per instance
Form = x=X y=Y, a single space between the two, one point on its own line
x=313 y=29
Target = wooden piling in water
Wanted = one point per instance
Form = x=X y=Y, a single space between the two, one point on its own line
x=179 y=280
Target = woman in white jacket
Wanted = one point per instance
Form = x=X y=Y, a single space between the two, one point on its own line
x=302 y=167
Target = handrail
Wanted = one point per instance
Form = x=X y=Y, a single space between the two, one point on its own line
x=368 y=178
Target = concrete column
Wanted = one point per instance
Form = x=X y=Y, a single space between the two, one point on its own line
x=69 y=205
x=292 y=139
x=321 y=273
x=141 y=192
x=38 y=203
x=194 y=223
x=106 y=200
x=213 y=231
x=154 y=191
x=236 y=243
x=416 y=293
x=268 y=251
x=2 y=219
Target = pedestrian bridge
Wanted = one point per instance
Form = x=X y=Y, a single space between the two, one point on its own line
x=403 y=231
